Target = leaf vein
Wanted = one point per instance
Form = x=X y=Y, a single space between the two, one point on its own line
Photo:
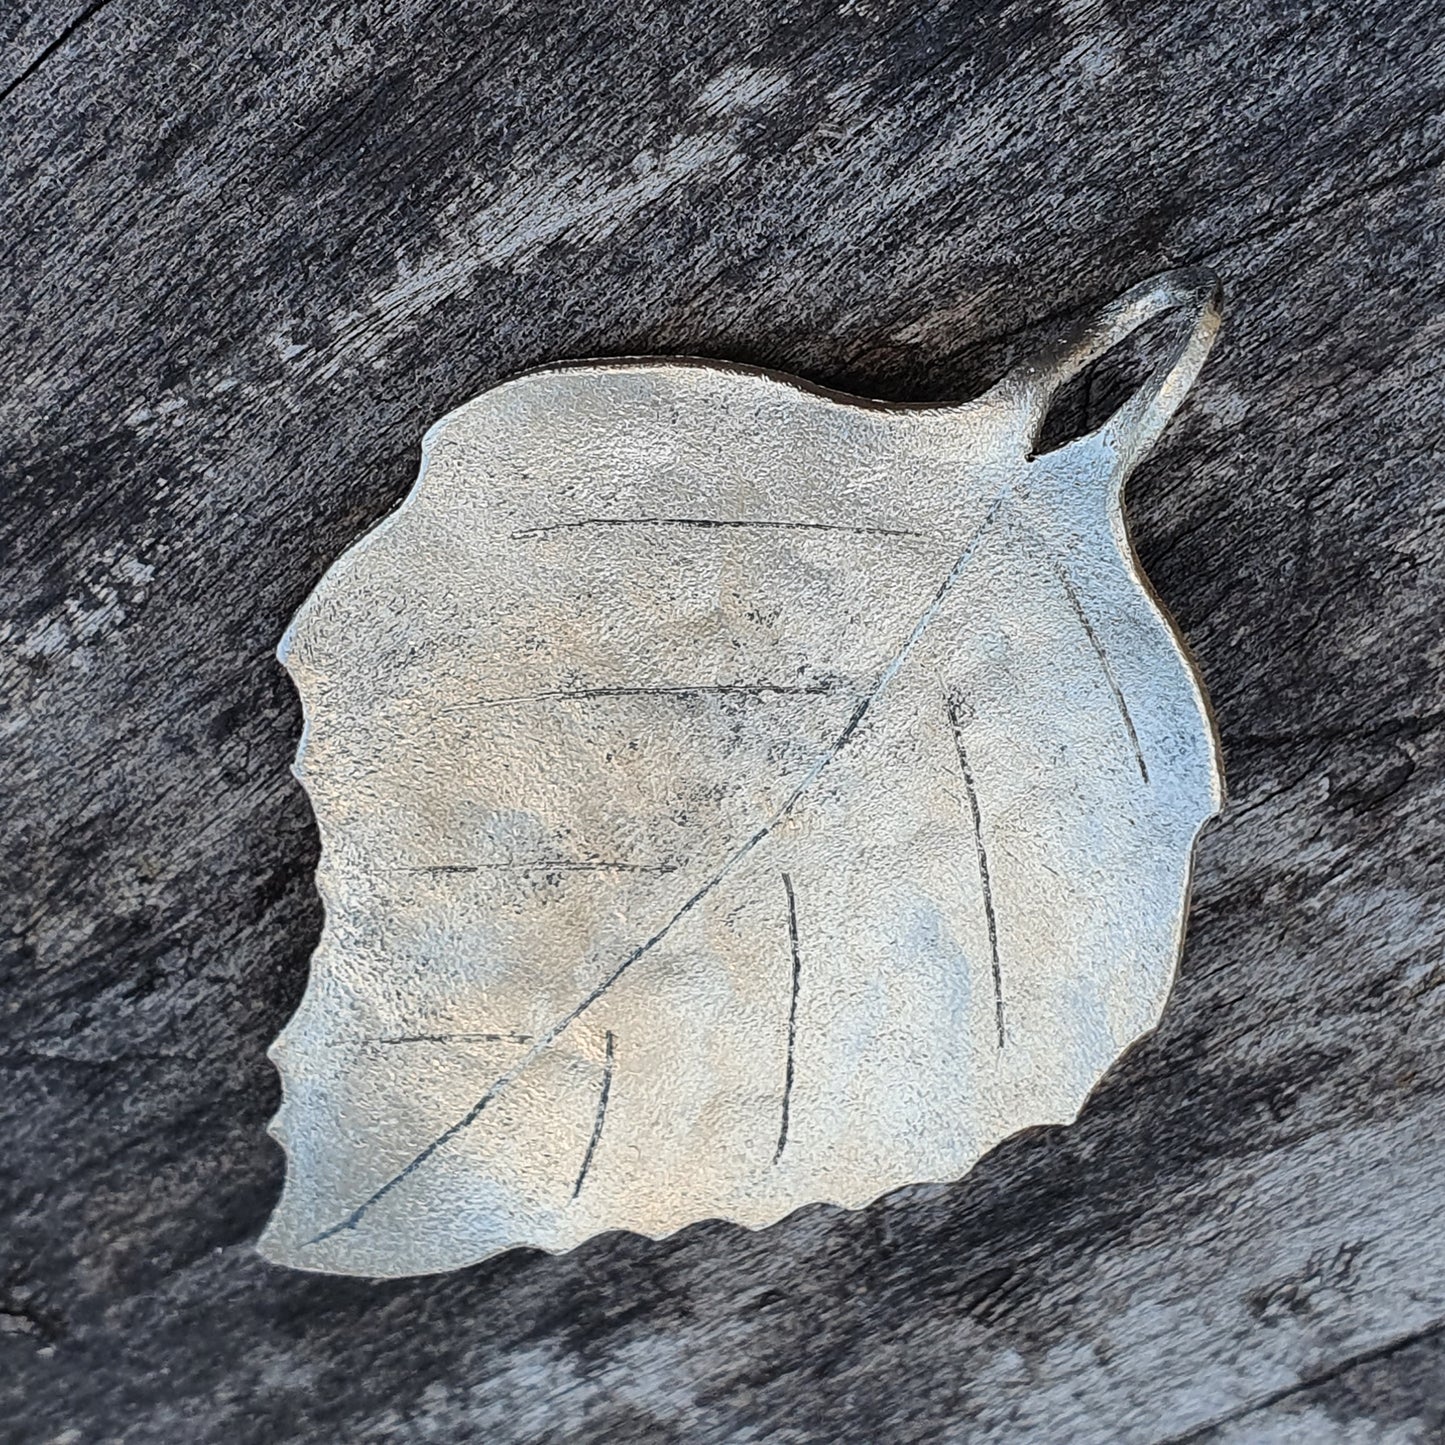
x=545 y=1039
x=1077 y=605
x=985 y=880
x=792 y=1015
x=601 y=1116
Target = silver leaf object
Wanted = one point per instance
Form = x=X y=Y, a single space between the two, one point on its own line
x=733 y=795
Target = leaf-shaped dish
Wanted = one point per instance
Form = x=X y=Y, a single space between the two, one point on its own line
x=733 y=795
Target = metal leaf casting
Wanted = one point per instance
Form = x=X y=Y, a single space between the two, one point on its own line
x=733 y=796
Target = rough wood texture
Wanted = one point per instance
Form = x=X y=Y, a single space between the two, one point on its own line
x=252 y=251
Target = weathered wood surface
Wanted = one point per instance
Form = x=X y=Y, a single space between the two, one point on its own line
x=252 y=251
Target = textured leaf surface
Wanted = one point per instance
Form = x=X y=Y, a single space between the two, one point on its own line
x=733 y=796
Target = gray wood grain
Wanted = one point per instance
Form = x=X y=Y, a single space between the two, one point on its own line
x=252 y=251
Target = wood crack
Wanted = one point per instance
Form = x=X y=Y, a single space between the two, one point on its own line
x=1060 y=316
x=56 y=45
x=1403 y=176
x=1276 y=1397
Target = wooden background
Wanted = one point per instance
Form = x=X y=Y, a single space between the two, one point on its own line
x=251 y=250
